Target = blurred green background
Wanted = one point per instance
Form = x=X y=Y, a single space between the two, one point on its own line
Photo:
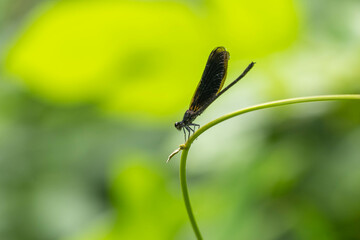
x=90 y=91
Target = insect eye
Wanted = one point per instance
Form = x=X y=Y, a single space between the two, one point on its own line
x=178 y=125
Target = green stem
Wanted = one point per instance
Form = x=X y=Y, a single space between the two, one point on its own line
x=185 y=148
x=186 y=193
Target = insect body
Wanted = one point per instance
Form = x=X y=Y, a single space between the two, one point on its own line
x=209 y=88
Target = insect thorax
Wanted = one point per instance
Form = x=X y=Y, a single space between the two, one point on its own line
x=189 y=117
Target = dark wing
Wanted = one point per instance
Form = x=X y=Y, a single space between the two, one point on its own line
x=212 y=79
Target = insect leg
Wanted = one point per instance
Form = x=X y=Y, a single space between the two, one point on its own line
x=195 y=125
x=184 y=133
x=189 y=130
x=193 y=130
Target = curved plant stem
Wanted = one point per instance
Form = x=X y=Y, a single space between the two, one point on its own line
x=185 y=148
x=186 y=193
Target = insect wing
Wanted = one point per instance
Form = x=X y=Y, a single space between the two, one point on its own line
x=212 y=80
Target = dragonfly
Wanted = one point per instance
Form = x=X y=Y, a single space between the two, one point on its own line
x=209 y=88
